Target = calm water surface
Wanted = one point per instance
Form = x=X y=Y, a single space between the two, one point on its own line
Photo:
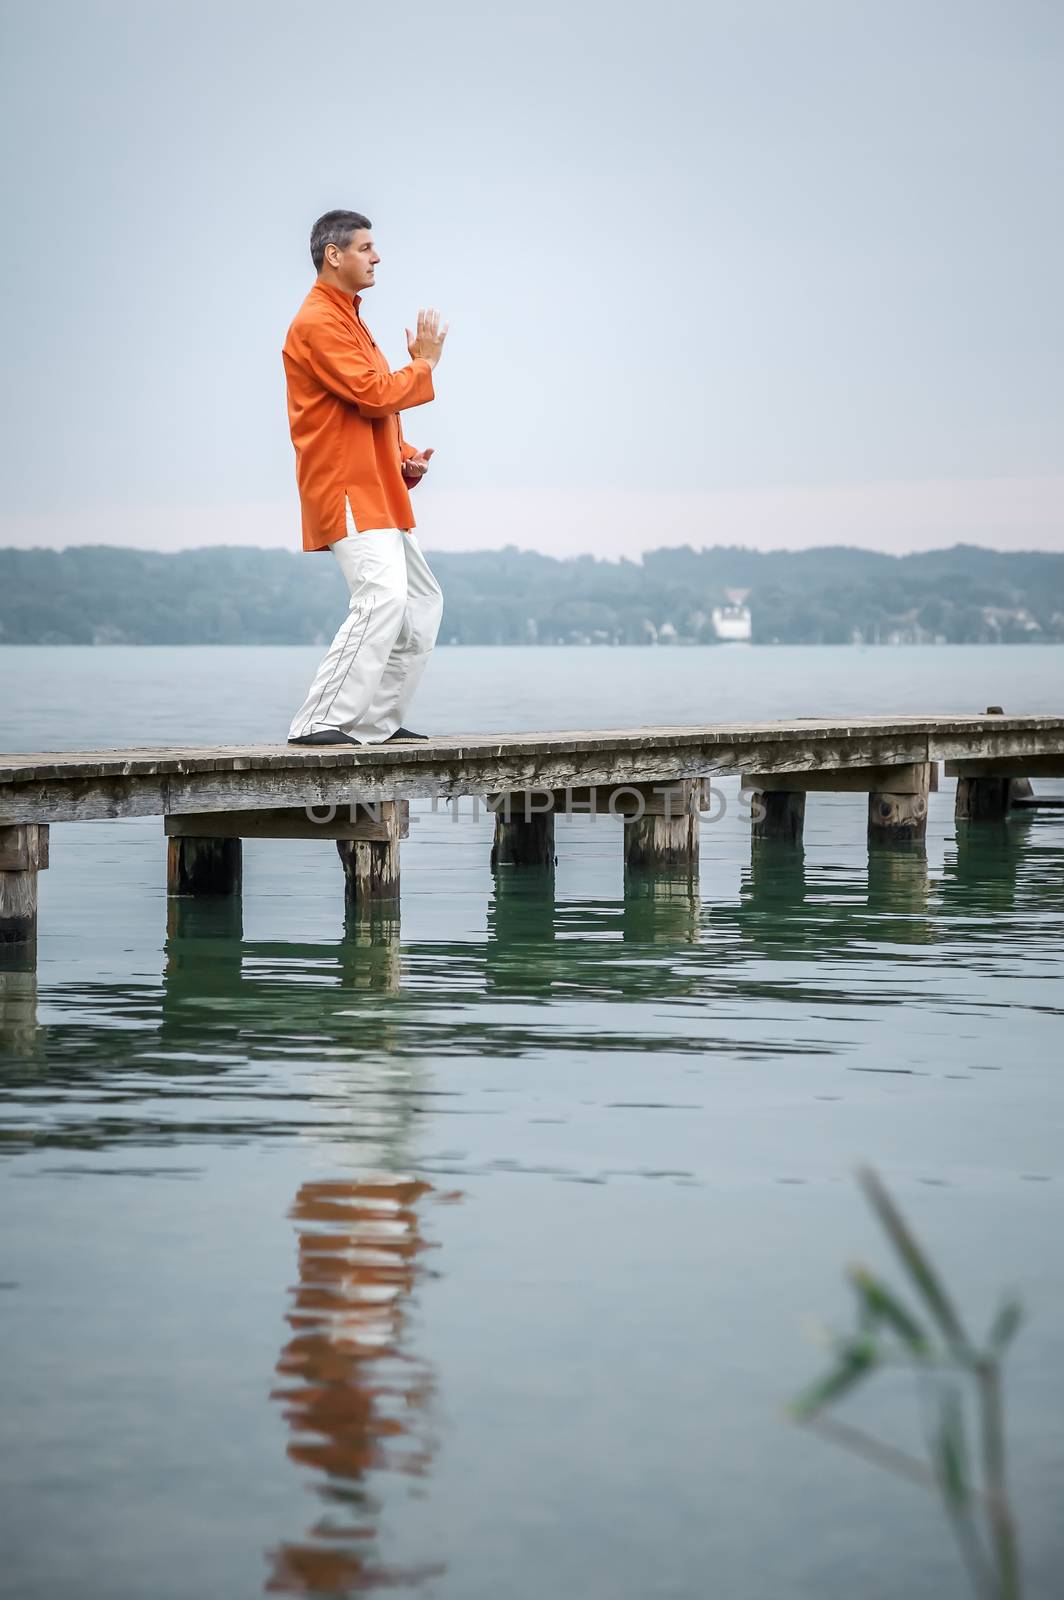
x=471 y=1253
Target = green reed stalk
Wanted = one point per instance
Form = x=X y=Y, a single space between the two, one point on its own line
x=933 y=1342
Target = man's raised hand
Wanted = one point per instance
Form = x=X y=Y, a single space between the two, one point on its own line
x=427 y=343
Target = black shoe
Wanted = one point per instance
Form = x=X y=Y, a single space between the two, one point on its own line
x=405 y=735
x=325 y=736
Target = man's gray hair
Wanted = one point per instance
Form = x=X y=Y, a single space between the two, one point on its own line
x=335 y=227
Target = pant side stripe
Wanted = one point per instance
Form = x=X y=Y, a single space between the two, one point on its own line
x=351 y=661
x=339 y=666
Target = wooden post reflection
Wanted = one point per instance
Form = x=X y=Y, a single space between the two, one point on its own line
x=984 y=870
x=355 y=1399
x=660 y=908
x=898 y=891
x=371 y=951
x=521 y=957
x=19 y=1039
x=773 y=906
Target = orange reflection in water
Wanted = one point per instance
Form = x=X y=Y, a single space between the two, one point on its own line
x=355 y=1400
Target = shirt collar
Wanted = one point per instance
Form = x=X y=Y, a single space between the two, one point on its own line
x=331 y=292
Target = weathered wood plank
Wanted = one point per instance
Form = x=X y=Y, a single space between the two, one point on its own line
x=911 y=778
x=626 y=800
x=369 y=824
x=1033 y=766
x=82 y=799
x=164 y=761
x=79 y=800
x=82 y=785
x=953 y=746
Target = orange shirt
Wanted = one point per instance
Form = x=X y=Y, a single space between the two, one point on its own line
x=343 y=405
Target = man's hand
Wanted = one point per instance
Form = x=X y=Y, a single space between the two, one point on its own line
x=427 y=343
x=415 y=467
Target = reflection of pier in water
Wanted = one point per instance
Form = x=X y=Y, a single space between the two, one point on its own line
x=371 y=997
x=356 y=1400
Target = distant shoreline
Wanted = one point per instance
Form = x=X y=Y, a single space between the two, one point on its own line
x=452 y=644
x=675 y=598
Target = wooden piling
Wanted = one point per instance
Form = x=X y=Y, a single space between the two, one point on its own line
x=524 y=831
x=203 y=866
x=23 y=853
x=778 y=815
x=371 y=866
x=897 y=818
x=988 y=796
x=897 y=807
x=983 y=799
x=665 y=838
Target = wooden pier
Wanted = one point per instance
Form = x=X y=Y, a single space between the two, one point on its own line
x=654 y=780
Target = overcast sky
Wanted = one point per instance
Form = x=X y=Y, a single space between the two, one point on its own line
x=777 y=272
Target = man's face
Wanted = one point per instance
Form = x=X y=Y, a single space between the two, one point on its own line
x=354 y=266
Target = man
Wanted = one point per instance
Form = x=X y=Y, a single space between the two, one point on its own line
x=354 y=470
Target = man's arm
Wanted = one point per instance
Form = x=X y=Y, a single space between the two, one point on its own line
x=345 y=370
x=332 y=357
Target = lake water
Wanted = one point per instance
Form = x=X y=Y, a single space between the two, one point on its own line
x=472 y=1253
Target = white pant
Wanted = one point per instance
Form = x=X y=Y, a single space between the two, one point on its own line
x=374 y=664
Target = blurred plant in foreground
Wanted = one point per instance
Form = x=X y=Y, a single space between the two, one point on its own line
x=934 y=1344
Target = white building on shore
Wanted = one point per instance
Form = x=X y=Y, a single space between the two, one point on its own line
x=731 y=622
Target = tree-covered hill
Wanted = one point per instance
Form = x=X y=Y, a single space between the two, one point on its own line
x=232 y=595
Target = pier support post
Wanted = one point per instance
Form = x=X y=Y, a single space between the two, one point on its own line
x=983 y=799
x=664 y=839
x=898 y=814
x=23 y=853
x=988 y=798
x=524 y=830
x=897 y=818
x=777 y=814
x=371 y=866
x=203 y=866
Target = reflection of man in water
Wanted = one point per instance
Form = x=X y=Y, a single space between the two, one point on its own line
x=354 y=469
x=354 y=1399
